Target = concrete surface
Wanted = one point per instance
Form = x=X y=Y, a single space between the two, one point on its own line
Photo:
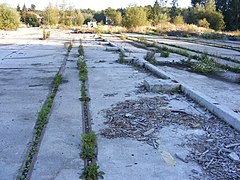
x=27 y=68
x=210 y=93
x=127 y=158
x=203 y=48
x=159 y=85
x=25 y=79
x=58 y=157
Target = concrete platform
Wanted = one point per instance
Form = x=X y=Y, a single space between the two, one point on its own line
x=25 y=84
x=58 y=156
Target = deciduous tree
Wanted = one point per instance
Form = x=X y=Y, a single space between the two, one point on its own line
x=9 y=18
x=134 y=17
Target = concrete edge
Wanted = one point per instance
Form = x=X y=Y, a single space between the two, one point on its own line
x=217 y=109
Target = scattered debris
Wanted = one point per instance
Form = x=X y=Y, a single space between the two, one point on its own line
x=217 y=151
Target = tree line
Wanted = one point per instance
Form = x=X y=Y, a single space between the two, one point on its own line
x=214 y=14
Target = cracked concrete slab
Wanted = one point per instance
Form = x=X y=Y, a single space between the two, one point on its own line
x=58 y=155
x=24 y=88
x=125 y=158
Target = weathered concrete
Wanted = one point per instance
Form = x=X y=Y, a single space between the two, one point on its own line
x=196 y=86
x=126 y=158
x=202 y=48
x=213 y=106
x=25 y=79
x=159 y=85
x=58 y=157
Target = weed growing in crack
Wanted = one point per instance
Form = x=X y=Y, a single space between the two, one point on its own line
x=80 y=49
x=88 y=146
x=69 y=47
x=205 y=66
x=46 y=34
x=121 y=58
x=91 y=172
x=82 y=66
x=186 y=54
x=57 y=80
x=165 y=54
x=89 y=142
x=40 y=124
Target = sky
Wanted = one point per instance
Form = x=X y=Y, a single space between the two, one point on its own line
x=92 y=4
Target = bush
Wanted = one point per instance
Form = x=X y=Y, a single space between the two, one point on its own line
x=135 y=16
x=215 y=19
x=31 y=20
x=9 y=18
x=178 y=20
x=46 y=34
x=203 y=23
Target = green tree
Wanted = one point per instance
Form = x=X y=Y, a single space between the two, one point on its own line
x=33 y=7
x=62 y=13
x=100 y=17
x=50 y=15
x=157 y=15
x=79 y=18
x=134 y=17
x=31 y=20
x=18 y=8
x=24 y=9
x=174 y=10
x=215 y=19
x=178 y=20
x=231 y=12
x=9 y=18
x=203 y=23
x=210 y=5
x=23 y=13
x=114 y=17
x=195 y=2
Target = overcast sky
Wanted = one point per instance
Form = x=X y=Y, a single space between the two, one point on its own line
x=92 y=4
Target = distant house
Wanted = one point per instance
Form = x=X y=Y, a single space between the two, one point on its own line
x=39 y=18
